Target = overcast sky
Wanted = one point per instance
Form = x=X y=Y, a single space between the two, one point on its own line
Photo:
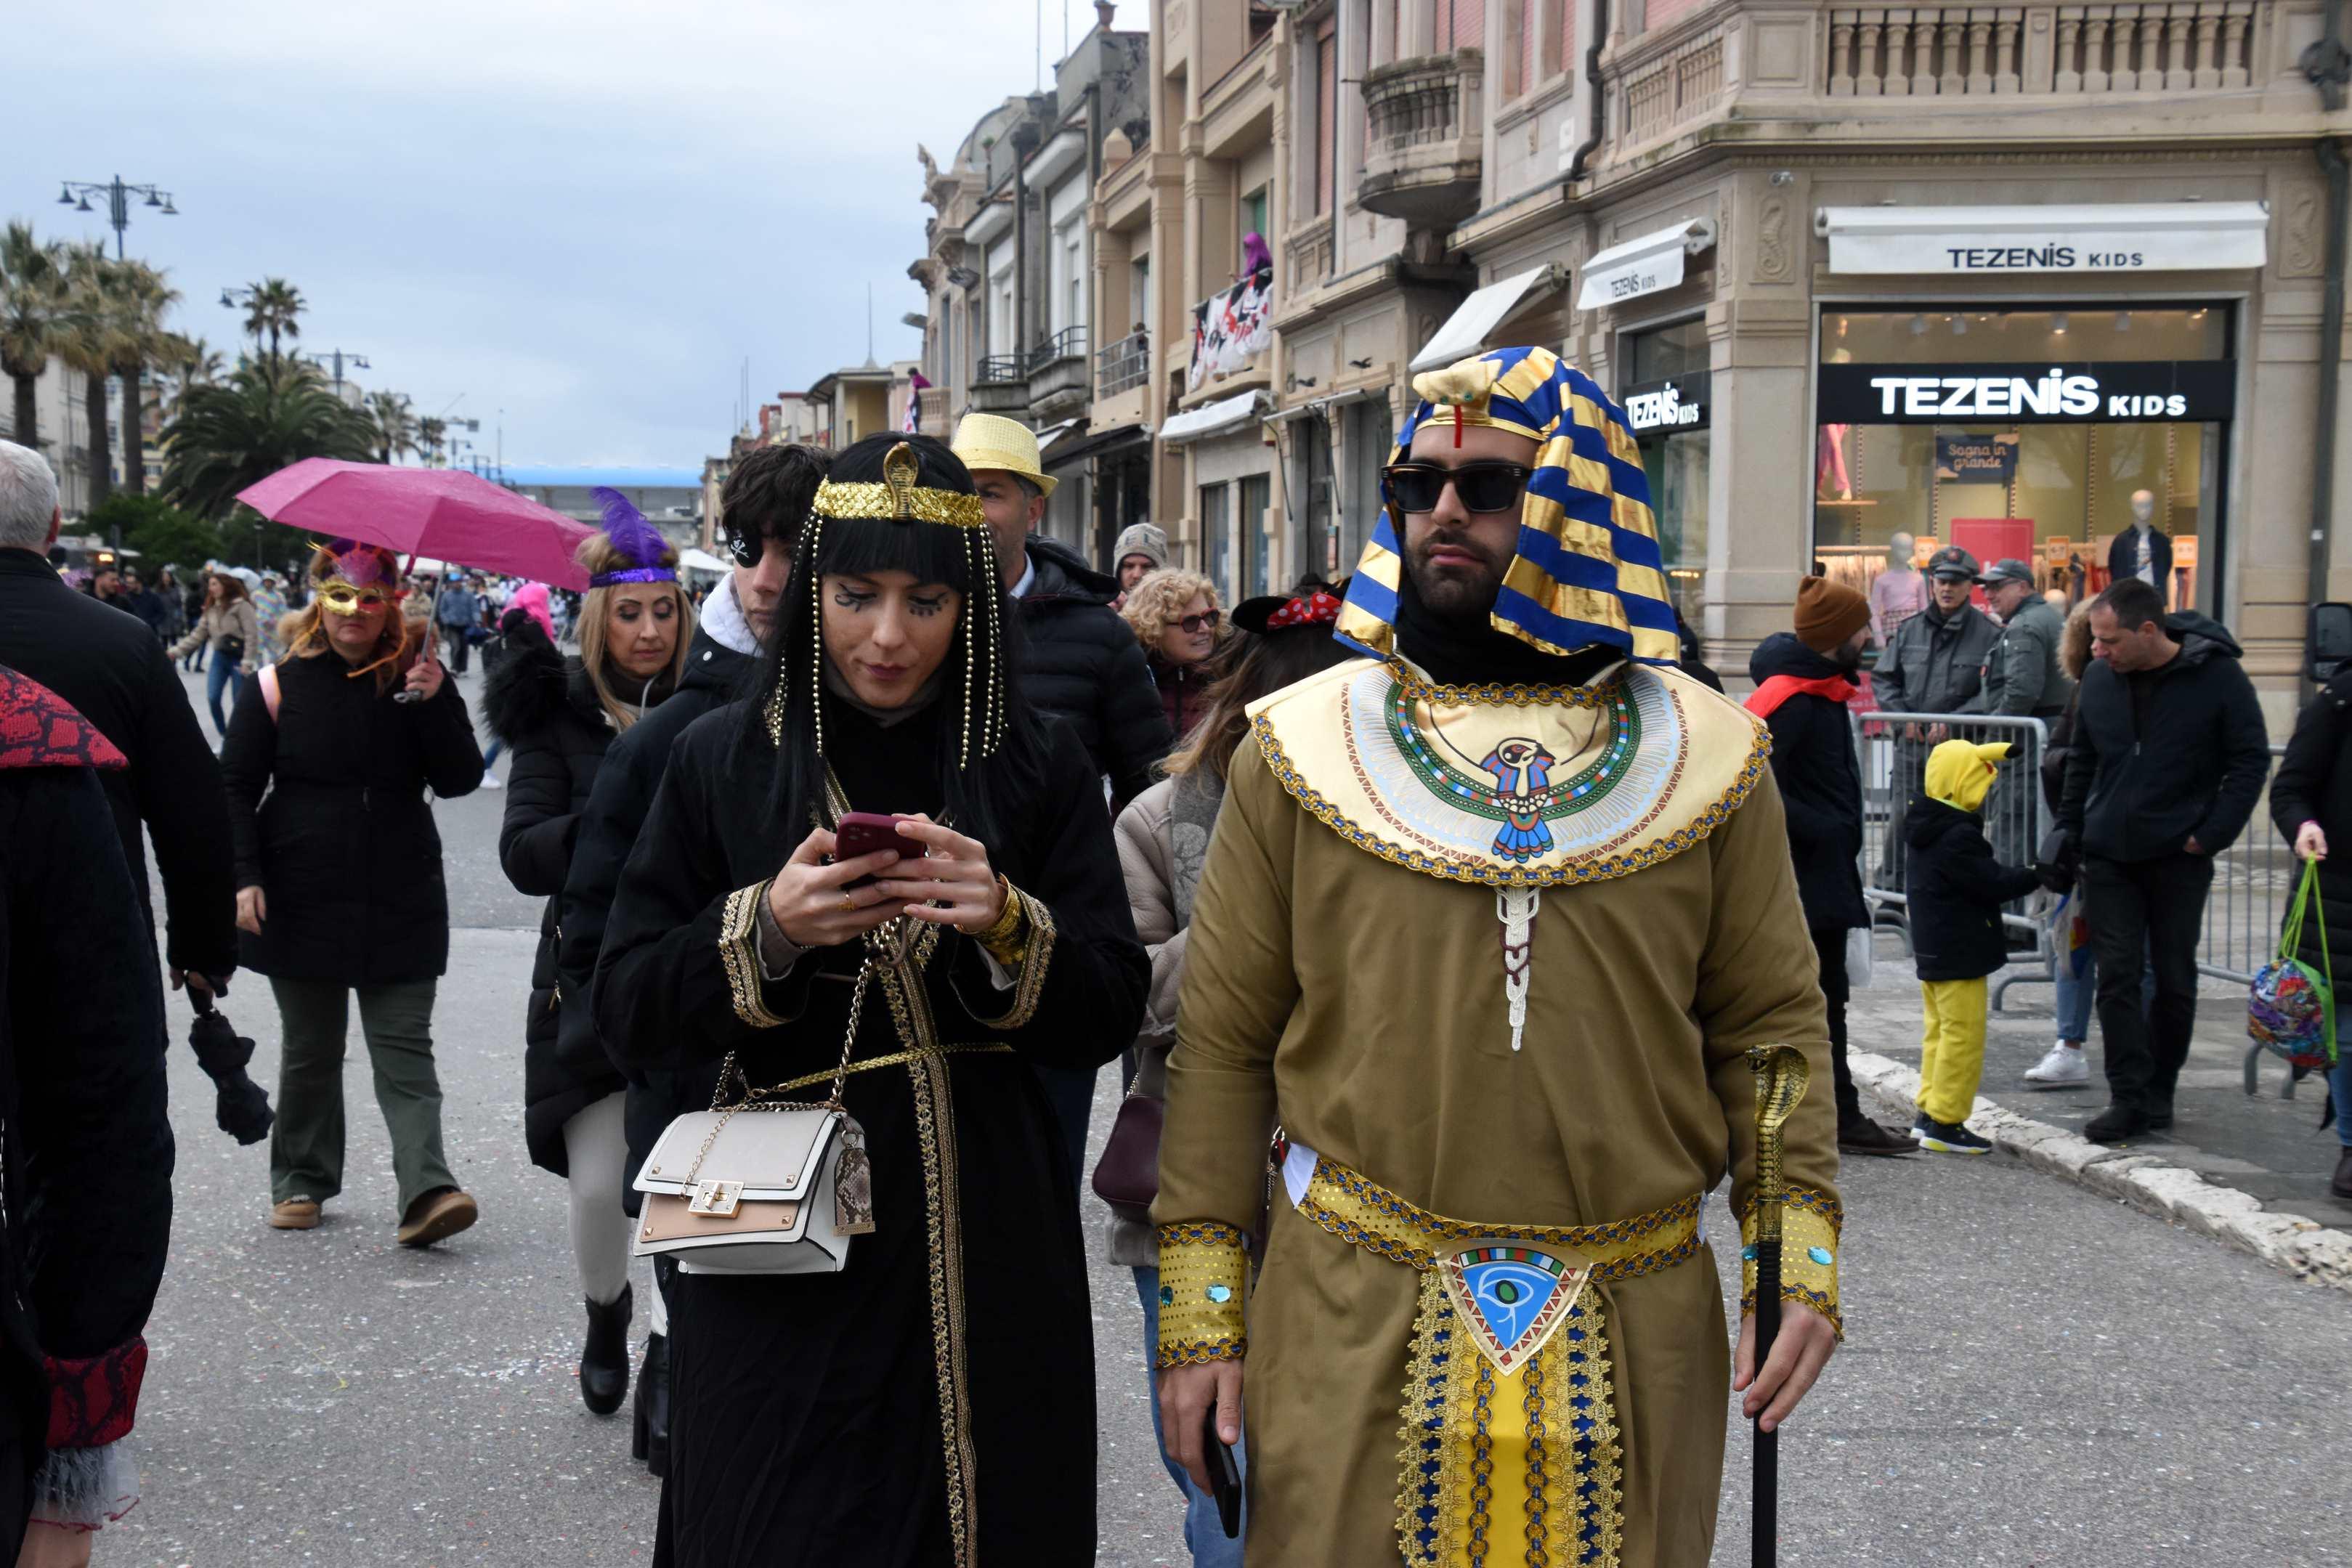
x=587 y=214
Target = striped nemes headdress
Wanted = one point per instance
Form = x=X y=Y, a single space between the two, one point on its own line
x=1588 y=568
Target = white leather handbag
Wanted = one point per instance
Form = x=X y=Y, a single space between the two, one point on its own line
x=749 y=1190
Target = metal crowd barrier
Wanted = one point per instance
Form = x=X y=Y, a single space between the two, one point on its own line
x=1893 y=750
x=2253 y=880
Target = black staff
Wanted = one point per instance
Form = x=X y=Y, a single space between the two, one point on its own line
x=1780 y=1078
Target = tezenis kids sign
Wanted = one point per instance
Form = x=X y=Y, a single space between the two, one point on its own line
x=2174 y=389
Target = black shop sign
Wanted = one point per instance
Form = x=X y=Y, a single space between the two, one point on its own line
x=2035 y=393
x=1677 y=402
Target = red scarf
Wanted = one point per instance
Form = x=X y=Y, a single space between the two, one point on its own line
x=1776 y=689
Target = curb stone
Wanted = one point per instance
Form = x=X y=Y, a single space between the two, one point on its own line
x=2302 y=1247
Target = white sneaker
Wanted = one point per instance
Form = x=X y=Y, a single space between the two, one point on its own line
x=491 y=780
x=2064 y=1068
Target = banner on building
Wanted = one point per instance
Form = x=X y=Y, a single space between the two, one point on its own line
x=1232 y=328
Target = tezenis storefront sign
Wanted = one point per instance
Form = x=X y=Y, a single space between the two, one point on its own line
x=2122 y=390
x=1678 y=402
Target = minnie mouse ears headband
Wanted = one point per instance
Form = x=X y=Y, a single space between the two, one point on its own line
x=1314 y=605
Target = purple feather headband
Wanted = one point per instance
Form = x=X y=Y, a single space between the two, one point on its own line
x=638 y=541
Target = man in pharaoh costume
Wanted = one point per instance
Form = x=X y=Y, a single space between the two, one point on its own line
x=1487 y=927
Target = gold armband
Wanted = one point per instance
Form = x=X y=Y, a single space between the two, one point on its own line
x=1007 y=941
x=1810 y=1224
x=1204 y=1273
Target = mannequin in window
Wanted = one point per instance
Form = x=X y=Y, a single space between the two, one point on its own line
x=2143 y=550
x=1897 y=593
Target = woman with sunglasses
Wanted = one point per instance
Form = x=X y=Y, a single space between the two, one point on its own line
x=339 y=888
x=1174 y=615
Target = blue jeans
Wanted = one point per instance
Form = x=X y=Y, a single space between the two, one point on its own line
x=2078 y=978
x=1204 y=1534
x=222 y=674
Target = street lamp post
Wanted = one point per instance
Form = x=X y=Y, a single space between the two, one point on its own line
x=335 y=359
x=76 y=193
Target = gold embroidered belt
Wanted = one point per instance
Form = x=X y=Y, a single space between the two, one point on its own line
x=1511 y=1450
x=896 y=1059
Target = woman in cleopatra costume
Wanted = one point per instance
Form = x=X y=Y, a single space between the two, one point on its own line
x=1487 y=929
x=933 y=1401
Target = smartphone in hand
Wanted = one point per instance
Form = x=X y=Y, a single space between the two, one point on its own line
x=868 y=832
x=1223 y=1472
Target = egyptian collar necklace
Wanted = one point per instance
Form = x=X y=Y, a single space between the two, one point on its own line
x=1514 y=787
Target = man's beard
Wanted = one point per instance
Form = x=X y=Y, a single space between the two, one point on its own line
x=1451 y=592
x=1848 y=657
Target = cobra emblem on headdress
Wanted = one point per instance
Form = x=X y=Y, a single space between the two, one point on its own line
x=901 y=472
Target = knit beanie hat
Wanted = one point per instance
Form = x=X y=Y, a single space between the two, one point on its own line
x=1143 y=540
x=1828 y=614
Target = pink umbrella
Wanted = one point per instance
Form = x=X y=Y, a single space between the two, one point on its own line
x=445 y=512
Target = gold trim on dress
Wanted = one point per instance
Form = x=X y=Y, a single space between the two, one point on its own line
x=935 y=1137
x=1036 y=957
x=738 y=951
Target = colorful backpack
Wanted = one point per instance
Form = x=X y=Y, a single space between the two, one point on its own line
x=2291 y=1010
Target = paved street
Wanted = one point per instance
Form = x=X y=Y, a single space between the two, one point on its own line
x=2037 y=1374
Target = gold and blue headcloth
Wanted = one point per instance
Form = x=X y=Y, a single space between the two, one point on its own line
x=1588 y=568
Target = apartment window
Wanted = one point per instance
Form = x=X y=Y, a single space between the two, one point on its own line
x=1257 y=535
x=1217 y=536
x=1564 y=29
x=1519 y=71
x=1074 y=312
x=1139 y=290
x=1254 y=214
x=1326 y=91
x=1461 y=23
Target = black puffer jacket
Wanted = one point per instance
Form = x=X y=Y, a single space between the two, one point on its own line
x=715 y=676
x=1955 y=889
x=544 y=708
x=2197 y=772
x=1079 y=663
x=2314 y=785
x=1821 y=783
x=344 y=848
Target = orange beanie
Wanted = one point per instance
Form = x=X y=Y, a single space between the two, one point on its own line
x=1828 y=614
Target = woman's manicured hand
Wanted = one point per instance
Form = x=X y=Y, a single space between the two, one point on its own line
x=813 y=904
x=951 y=886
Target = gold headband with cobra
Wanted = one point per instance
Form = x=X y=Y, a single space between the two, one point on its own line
x=900 y=497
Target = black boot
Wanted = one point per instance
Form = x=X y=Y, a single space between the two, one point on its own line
x=651 y=1441
x=2341 y=1184
x=605 y=1361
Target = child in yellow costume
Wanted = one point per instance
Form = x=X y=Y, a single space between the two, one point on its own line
x=1955 y=889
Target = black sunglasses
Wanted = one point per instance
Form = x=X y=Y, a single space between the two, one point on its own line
x=1193 y=623
x=1482 y=486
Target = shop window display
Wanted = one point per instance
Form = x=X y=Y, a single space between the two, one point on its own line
x=1665 y=393
x=2052 y=435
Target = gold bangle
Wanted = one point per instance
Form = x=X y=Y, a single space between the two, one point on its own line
x=1005 y=938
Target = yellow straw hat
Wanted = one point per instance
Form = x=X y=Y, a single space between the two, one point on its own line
x=992 y=441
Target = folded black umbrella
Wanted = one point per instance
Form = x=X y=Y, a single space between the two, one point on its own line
x=243 y=1112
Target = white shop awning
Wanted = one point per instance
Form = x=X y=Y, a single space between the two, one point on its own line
x=2098 y=238
x=1475 y=319
x=1646 y=265
x=1218 y=418
x=694 y=560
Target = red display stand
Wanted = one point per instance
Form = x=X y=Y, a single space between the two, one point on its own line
x=1993 y=539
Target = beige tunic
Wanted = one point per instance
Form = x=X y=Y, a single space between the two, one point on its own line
x=1362 y=1003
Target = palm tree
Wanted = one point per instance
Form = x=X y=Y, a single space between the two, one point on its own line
x=32 y=301
x=396 y=426
x=140 y=297
x=192 y=363
x=431 y=431
x=97 y=334
x=273 y=305
x=223 y=438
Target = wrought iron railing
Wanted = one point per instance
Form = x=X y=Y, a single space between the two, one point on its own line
x=1123 y=365
x=998 y=367
x=1069 y=343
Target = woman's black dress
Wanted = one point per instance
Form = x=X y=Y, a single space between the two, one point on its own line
x=935 y=1398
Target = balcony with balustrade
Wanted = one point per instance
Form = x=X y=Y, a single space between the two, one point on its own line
x=1000 y=385
x=1757 y=72
x=1425 y=143
x=1060 y=376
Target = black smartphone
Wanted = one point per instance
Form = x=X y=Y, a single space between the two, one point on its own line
x=1223 y=1472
